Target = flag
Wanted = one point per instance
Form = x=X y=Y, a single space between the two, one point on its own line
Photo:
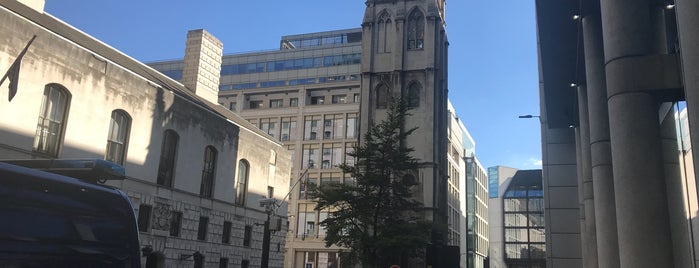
x=13 y=72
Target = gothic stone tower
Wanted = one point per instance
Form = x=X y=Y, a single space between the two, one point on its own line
x=404 y=53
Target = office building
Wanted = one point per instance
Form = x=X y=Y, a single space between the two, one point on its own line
x=320 y=90
x=195 y=170
x=467 y=202
x=499 y=178
x=611 y=71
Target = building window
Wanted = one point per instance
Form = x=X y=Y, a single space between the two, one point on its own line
x=199 y=261
x=176 y=223
x=269 y=126
x=247 y=236
x=294 y=102
x=356 y=97
x=414 y=95
x=311 y=127
x=276 y=103
x=384 y=30
x=232 y=106
x=203 y=227
x=352 y=126
x=339 y=99
x=382 y=96
x=256 y=104
x=168 y=154
x=288 y=128
x=119 y=127
x=144 y=212
x=52 y=119
x=207 y=174
x=310 y=155
x=243 y=174
x=245 y=264
x=416 y=30
x=223 y=263
x=317 y=100
x=226 y=239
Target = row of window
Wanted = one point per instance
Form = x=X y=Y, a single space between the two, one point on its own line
x=383 y=92
x=334 y=39
x=325 y=179
x=416 y=31
x=53 y=116
x=292 y=64
x=294 y=102
x=51 y=126
x=145 y=215
x=293 y=82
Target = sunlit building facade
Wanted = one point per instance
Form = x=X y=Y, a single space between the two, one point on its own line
x=194 y=170
x=308 y=93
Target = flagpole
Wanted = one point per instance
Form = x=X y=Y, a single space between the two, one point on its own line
x=14 y=69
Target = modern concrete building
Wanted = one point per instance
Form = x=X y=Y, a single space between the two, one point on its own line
x=610 y=72
x=195 y=170
x=468 y=191
x=478 y=237
x=311 y=93
x=499 y=178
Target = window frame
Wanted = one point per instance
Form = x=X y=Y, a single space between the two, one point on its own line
x=416 y=30
x=167 y=165
x=382 y=92
x=121 y=139
x=176 y=224
x=203 y=228
x=242 y=182
x=52 y=121
x=413 y=94
x=208 y=173
x=145 y=212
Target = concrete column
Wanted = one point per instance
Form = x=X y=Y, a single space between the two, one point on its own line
x=688 y=29
x=600 y=147
x=581 y=200
x=639 y=185
x=590 y=245
x=675 y=192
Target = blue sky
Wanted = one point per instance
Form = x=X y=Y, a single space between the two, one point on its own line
x=493 y=74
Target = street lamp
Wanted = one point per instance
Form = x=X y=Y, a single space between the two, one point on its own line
x=529 y=116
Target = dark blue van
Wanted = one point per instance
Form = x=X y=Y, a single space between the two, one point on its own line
x=52 y=220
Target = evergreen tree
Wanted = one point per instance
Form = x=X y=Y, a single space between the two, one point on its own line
x=376 y=217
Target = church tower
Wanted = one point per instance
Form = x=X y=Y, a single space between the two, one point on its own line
x=404 y=53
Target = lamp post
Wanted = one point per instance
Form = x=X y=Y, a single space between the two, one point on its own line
x=266 y=239
x=529 y=116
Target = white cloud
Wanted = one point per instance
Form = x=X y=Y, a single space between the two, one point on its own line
x=535 y=162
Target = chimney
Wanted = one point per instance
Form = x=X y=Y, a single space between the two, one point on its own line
x=37 y=5
x=202 y=64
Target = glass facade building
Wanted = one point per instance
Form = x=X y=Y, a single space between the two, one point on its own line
x=523 y=216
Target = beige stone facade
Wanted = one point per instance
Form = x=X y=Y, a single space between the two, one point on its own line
x=190 y=190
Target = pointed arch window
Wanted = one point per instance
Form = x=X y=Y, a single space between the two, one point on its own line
x=52 y=119
x=383 y=33
x=117 y=139
x=416 y=30
x=208 y=172
x=382 y=96
x=168 y=154
x=414 y=95
x=242 y=182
